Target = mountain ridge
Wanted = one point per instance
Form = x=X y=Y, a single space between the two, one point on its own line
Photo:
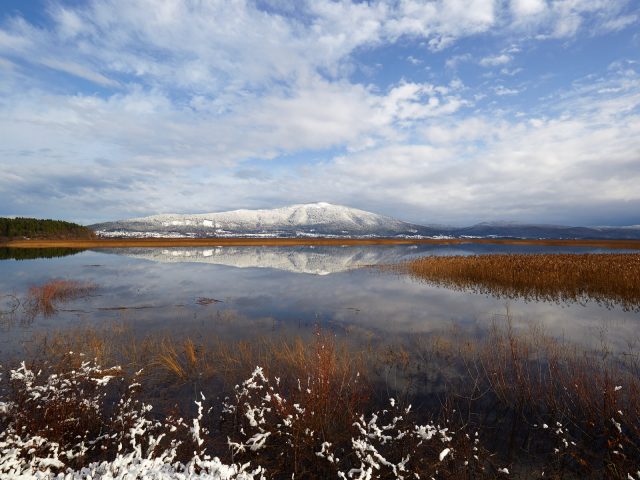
x=322 y=219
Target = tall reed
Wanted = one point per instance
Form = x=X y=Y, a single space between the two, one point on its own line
x=609 y=279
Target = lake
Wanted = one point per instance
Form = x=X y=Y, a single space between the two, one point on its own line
x=246 y=292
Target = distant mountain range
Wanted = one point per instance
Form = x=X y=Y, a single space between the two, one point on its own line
x=327 y=220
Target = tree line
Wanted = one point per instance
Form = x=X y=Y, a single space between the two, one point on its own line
x=20 y=227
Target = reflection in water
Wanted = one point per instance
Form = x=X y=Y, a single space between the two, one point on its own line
x=608 y=279
x=185 y=321
x=171 y=295
x=304 y=259
x=323 y=260
x=7 y=253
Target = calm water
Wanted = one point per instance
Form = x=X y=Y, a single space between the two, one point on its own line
x=283 y=290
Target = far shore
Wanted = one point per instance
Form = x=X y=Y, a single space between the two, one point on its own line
x=244 y=241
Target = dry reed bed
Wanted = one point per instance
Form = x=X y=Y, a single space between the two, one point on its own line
x=605 y=278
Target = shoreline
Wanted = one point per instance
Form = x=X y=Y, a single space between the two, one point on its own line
x=100 y=243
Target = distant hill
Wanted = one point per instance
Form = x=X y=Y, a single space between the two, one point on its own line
x=304 y=220
x=19 y=228
x=517 y=230
x=327 y=220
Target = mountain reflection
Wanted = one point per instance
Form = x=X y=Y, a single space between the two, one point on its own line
x=306 y=259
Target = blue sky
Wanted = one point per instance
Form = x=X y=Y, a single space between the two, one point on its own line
x=442 y=111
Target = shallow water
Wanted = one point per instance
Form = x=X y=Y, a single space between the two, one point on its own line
x=284 y=290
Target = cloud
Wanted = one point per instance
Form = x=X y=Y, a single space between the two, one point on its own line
x=545 y=19
x=573 y=168
x=79 y=71
x=456 y=60
x=495 y=60
x=501 y=90
x=525 y=8
x=460 y=170
x=166 y=105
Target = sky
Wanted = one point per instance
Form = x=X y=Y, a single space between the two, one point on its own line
x=435 y=112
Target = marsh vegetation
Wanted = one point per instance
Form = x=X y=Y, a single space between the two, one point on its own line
x=449 y=406
x=97 y=392
x=606 y=278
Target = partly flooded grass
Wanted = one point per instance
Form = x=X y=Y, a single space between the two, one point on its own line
x=515 y=402
x=44 y=299
x=609 y=279
x=488 y=402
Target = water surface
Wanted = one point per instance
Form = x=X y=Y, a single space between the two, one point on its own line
x=245 y=292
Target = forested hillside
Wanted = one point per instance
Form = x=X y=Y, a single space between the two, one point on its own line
x=13 y=228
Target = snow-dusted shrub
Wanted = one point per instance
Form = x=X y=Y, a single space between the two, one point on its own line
x=85 y=421
x=58 y=414
x=571 y=446
x=276 y=430
x=390 y=444
x=317 y=398
x=279 y=430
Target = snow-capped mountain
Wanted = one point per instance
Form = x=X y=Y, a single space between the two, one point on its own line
x=327 y=220
x=312 y=219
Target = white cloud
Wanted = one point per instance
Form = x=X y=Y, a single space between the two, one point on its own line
x=456 y=60
x=566 y=168
x=511 y=72
x=565 y=18
x=523 y=9
x=495 y=60
x=469 y=129
x=559 y=168
x=79 y=71
x=189 y=91
x=501 y=90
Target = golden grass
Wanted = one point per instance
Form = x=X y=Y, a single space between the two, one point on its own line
x=606 y=278
x=185 y=360
x=165 y=358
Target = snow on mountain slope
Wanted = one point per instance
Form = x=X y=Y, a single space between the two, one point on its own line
x=327 y=220
x=304 y=219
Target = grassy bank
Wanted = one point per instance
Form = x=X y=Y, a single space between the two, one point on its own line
x=605 y=278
